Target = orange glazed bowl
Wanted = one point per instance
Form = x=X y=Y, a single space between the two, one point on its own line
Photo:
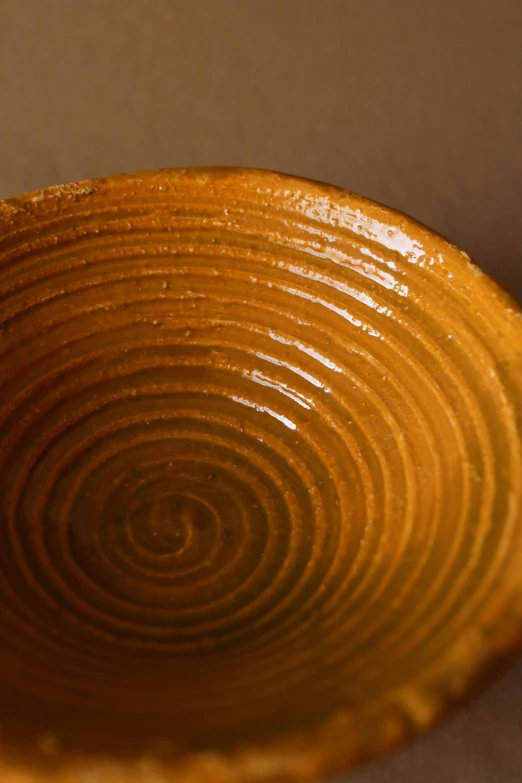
x=260 y=479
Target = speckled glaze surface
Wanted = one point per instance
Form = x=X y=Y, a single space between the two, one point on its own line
x=260 y=479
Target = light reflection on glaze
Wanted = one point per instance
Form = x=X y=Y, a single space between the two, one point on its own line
x=263 y=409
x=306 y=349
x=292 y=368
x=258 y=377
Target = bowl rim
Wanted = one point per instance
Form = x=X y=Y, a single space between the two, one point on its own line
x=78 y=188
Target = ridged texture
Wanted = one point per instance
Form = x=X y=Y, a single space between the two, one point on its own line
x=260 y=478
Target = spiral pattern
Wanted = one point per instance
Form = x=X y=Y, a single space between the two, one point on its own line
x=260 y=477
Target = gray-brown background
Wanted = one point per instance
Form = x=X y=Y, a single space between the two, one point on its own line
x=412 y=102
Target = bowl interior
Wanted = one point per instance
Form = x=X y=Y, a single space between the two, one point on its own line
x=259 y=476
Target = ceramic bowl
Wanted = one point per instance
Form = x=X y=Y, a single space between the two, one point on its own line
x=260 y=479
